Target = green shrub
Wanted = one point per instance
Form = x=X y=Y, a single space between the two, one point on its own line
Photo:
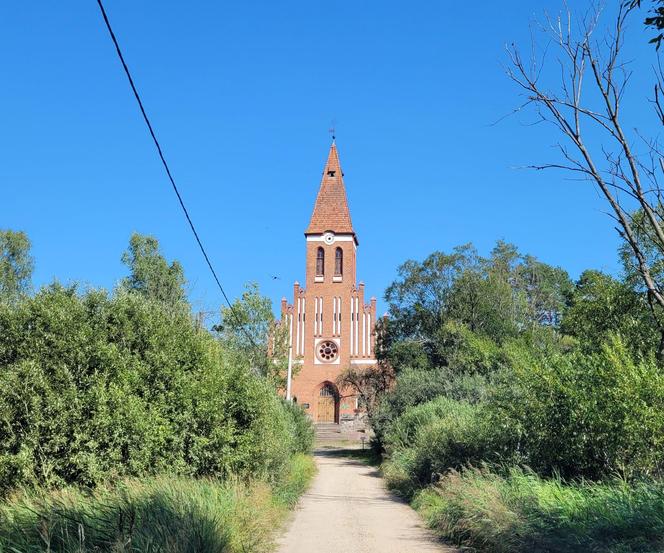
x=94 y=387
x=301 y=428
x=413 y=387
x=520 y=512
x=434 y=438
x=403 y=431
x=591 y=415
x=467 y=352
x=416 y=387
x=288 y=489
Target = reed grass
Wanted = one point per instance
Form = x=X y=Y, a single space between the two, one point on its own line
x=161 y=514
x=521 y=512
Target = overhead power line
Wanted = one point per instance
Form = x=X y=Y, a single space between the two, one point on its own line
x=168 y=171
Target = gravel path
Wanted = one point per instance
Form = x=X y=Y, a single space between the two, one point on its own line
x=347 y=509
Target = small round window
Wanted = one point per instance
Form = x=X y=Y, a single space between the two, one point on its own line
x=327 y=351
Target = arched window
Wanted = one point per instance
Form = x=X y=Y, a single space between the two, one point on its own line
x=328 y=391
x=339 y=262
x=320 y=262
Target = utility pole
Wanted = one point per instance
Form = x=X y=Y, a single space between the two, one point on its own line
x=289 y=373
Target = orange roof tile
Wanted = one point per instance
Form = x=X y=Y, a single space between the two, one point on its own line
x=331 y=209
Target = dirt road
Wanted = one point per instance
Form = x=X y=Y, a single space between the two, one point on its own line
x=347 y=509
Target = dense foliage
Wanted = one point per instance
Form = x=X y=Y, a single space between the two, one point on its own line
x=97 y=385
x=94 y=386
x=504 y=363
x=249 y=328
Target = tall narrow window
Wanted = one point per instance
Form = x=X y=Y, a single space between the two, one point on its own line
x=339 y=262
x=320 y=262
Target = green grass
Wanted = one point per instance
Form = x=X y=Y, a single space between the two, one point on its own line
x=164 y=514
x=522 y=512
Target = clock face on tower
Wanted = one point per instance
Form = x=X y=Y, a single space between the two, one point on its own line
x=328 y=238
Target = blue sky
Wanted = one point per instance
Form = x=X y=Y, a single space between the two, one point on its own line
x=242 y=96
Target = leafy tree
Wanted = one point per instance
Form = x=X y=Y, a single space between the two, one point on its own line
x=370 y=384
x=16 y=265
x=547 y=290
x=602 y=305
x=249 y=327
x=497 y=298
x=150 y=274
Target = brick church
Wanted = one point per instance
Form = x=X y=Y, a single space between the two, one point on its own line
x=331 y=326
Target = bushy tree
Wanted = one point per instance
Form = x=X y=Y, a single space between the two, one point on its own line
x=249 y=327
x=94 y=386
x=16 y=265
x=150 y=273
x=585 y=414
x=496 y=298
x=601 y=305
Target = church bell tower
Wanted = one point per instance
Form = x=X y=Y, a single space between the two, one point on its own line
x=331 y=326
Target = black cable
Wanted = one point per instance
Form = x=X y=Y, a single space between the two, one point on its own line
x=168 y=171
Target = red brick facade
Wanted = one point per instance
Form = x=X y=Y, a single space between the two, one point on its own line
x=331 y=326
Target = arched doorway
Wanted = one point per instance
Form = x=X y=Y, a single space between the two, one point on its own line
x=327 y=403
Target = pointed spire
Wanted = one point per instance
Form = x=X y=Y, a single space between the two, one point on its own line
x=331 y=209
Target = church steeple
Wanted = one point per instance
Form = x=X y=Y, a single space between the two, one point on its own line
x=331 y=211
x=330 y=325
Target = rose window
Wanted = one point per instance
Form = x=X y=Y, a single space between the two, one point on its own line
x=327 y=351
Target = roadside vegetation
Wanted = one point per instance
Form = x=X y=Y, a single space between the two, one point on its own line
x=126 y=425
x=527 y=410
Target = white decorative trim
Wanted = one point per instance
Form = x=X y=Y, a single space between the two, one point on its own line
x=304 y=323
x=351 y=325
x=334 y=315
x=337 y=238
x=357 y=326
x=337 y=278
x=319 y=279
x=290 y=335
x=363 y=361
x=297 y=327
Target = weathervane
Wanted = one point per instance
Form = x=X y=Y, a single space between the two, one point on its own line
x=333 y=130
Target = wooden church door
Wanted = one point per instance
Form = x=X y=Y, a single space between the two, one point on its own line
x=326 y=404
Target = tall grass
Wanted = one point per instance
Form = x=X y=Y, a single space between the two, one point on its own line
x=521 y=512
x=165 y=514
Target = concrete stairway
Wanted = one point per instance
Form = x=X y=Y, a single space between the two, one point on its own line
x=328 y=432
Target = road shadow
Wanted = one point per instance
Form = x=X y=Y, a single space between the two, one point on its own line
x=365 y=456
